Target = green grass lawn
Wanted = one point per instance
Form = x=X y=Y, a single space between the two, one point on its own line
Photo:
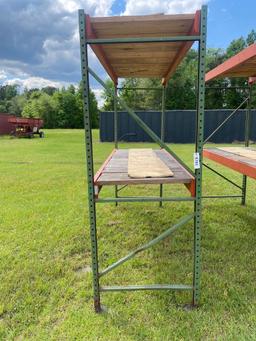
x=45 y=287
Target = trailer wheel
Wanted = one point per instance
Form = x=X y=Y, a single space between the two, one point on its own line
x=41 y=134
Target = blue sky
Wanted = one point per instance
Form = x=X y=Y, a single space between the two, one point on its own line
x=228 y=20
x=39 y=39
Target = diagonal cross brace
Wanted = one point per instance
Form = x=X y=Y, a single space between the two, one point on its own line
x=146 y=246
x=139 y=121
x=225 y=121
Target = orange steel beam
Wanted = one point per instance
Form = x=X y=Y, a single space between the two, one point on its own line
x=237 y=166
x=194 y=30
x=98 y=188
x=192 y=187
x=232 y=63
x=98 y=50
x=103 y=166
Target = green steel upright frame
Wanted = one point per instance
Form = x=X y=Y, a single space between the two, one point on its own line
x=196 y=215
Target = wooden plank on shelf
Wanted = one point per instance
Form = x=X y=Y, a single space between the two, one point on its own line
x=115 y=171
x=126 y=60
x=143 y=18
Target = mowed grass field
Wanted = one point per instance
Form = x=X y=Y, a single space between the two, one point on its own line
x=45 y=286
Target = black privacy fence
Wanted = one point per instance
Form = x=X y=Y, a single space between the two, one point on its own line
x=179 y=126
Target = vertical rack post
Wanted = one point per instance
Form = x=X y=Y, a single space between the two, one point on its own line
x=115 y=117
x=89 y=158
x=162 y=132
x=199 y=150
x=115 y=131
x=163 y=113
x=246 y=141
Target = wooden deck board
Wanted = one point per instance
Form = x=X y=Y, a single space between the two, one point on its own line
x=140 y=59
x=115 y=171
x=243 y=64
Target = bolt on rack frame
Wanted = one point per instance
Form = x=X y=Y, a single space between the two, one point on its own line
x=159 y=55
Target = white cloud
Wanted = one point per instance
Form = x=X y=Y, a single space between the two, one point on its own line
x=35 y=82
x=66 y=5
x=92 y=7
x=98 y=93
x=45 y=44
x=12 y=68
x=3 y=75
x=103 y=7
x=141 y=7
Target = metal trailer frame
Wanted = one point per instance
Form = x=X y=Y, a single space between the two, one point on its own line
x=247 y=131
x=93 y=199
x=26 y=127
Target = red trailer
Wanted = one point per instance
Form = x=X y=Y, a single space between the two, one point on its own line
x=26 y=127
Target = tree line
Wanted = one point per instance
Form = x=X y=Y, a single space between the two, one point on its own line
x=59 y=108
x=181 y=89
x=63 y=108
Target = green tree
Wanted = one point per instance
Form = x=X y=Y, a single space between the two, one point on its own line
x=43 y=106
x=29 y=92
x=181 y=87
x=48 y=110
x=17 y=104
x=7 y=92
x=93 y=106
x=251 y=38
x=49 y=90
x=31 y=109
x=214 y=98
x=235 y=46
x=108 y=99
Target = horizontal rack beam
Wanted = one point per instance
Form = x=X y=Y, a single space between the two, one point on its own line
x=220 y=196
x=227 y=87
x=143 y=199
x=147 y=287
x=139 y=88
x=142 y=40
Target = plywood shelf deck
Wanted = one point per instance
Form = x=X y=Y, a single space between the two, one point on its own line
x=243 y=64
x=115 y=171
x=238 y=163
x=129 y=59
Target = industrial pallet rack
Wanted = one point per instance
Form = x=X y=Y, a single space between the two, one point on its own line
x=242 y=64
x=143 y=46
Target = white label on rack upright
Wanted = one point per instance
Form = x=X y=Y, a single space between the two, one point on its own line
x=196 y=161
